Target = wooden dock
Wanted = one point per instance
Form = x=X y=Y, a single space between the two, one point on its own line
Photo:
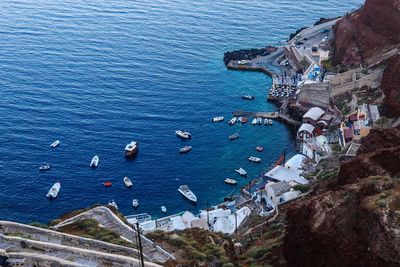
x=269 y=115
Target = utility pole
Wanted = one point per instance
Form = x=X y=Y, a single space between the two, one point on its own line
x=140 y=244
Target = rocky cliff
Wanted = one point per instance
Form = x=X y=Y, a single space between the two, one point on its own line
x=368 y=32
x=354 y=219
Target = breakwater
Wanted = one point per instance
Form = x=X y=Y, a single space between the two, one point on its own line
x=248 y=54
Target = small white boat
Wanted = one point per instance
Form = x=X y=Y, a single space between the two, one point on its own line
x=113 y=204
x=270 y=122
x=254 y=122
x=233 y=121
x=127 y=182
x=131 y=149
x=95 y=161
x=217 y=119
x=254 y=159
x=45 y=167
x=241 y=171
x=183 y=134
x=135 y=203
x=266 y=122
x=230 y=181
x=53 y=192
x=186 y=192
x=248 y=97
x=259 y=120
x=185 y=149
x=55 y=143
x=240 y=119
x=163 y=209
x=234 y=136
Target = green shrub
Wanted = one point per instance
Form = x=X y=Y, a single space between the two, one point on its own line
x=301 y=188
x=38 y=224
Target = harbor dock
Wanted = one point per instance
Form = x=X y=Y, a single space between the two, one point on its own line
x=268 y=115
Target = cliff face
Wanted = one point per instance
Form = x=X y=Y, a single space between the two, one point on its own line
x=367 y=32
x=354 y=220
x=391 y=87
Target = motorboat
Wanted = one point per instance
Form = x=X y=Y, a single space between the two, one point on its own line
x=45 y=167
x=183 y=134
x=241 y=171
x=254 y=159
x=248 y=97
x=95 y=161
x=259 y=120
x=240 y=119
x=234 y=136
x=127 y=182
x=131 y=149
x=55 y=143
x=244 y=120
x=230 y=181
x=266 y=122
x=53 y=192
x=186 y=192
x=270 y=122
x=113 y=204
x=260 y=149
x=163 y=209
x=107 y=184
x=135 y=203
x=185 y=149
x=233 y=121
x=217 y=119
x=254 y=122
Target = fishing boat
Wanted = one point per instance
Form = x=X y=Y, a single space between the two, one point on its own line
x=113 y=204
x=185 y=149
x=244 y=120
x=233 y=121
x=254 y=159
x=183 y=134
x=248 y=97
x=135 y=203
x=131 y=149
x=163 y=209
x=107 y=184
x=230 y=181
x=186 y=192
x=217 y=119
x=45 y=167
x=95 y=161
x=234 y=136
x=260 y=149
x=55 y=143
x=128 y=183
x=266 y=121
x=241 y=171
x=254 y=122
x=259 y=120
x=270 y=122
x=53 y=192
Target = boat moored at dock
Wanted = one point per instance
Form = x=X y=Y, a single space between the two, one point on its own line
x=187 y=193
x=241 y=171
x=234 y=136
x=131 y=149
x=94 y=162
x=230 y=181
x=244 y=120
x=183 y=134
x=128 y=183
x=232 y=121
x=53 y=192
x=55 y=143
x=254 y=122
x=254 y=159
x=217 y=119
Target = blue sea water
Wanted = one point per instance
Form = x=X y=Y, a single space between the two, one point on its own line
x=97 y=74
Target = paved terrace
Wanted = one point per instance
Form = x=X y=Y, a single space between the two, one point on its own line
x=109 y=220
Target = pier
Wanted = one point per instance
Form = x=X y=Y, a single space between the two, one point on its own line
x=268 y=115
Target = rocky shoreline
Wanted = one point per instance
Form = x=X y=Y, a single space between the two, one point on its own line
x=248 y=54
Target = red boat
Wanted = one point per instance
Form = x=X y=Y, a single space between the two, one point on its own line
x=244 y=120
x=260 y=149
x=107 y=184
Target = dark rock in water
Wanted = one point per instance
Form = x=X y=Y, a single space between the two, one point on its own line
x=247 y=54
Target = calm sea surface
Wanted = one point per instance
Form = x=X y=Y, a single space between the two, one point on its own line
x=97 y=74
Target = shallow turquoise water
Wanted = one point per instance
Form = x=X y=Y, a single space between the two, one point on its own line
x=98 y=74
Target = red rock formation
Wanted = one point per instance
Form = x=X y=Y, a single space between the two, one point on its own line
x=391 y=87
x=367 y=32
x=355 y=220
